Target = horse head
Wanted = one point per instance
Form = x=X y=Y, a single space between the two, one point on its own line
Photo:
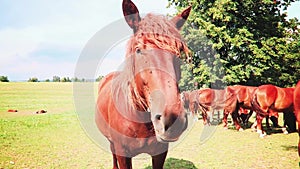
x=154 y=51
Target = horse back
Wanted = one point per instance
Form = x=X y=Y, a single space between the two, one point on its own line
x=244 y=94
x=206 y=96
x=284 y=100
x=266 y=95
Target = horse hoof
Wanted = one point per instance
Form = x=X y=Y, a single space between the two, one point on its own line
x=262 y=135
x=284 y=130
x=241 y=129
x=225 y=128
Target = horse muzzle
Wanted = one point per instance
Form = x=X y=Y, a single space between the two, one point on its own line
x=169 y=128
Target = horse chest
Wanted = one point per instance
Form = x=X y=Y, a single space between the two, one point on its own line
x=135 y=140
x=144 y=145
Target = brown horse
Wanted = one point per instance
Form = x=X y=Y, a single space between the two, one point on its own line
x=244 y=116
x=229 y=99
x=244 y=97
x=139 y=109
x=185 y=97
x=268 y=100
x=296 y=100
x=211 y=100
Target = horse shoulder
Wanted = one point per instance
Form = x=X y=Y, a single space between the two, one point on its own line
x=106 y=79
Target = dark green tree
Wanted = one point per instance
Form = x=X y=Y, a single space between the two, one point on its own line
x=33 y=79
x=56 y=79
x=65 y=79
x=99 y=78
x=242 y=42
x=4 y=79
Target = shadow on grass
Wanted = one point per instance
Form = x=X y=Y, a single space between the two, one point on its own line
x=271 y=130
x=173 y=163
x=290 y=148
x=276 y=130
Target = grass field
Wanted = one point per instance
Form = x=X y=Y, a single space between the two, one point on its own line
x=56 y=139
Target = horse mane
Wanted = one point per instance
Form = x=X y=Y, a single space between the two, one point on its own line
x=157 y=31
x=154 y=31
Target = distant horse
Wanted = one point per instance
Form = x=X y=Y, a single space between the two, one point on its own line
x=211 y=100
x=296 y=100
x=12 y=110
x=244 y=116
x=41 y=112
x=139 y=109
x=186 y=100
x=229 y=98
x=270 y=99
x=191 y=103
x=244 y=97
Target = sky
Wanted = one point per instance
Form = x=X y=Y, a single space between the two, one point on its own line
x=45 y=38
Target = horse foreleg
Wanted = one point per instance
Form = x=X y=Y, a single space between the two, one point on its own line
x=254 y=126
x=234 y=116
x=115 y=161
x=297 y=114
x=225 y=122
x=120 y=162
x=204 y=117
x=267 y=123
x=289 y=119
x=124 y=162
x=192 y=109
x=248 y=117
x=259 y=127
x=159 y=160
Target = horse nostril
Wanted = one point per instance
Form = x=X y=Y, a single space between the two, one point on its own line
x=166 y=127
x=157 y=117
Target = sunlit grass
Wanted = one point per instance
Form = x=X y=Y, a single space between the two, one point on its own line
x=56 y=139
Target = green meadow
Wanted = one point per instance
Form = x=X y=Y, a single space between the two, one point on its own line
x=56 y=139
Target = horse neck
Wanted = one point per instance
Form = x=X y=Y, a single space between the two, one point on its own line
x=125 y=99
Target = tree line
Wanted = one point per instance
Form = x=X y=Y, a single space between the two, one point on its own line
x=240 y=42
x=55 y=79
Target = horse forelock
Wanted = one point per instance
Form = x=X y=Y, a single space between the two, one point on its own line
x=158 y=32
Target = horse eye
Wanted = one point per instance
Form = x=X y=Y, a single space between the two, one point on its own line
x=138 y=51
x=181 y=49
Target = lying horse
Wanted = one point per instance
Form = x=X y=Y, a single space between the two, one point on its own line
x=139 y=109
x=268 y=100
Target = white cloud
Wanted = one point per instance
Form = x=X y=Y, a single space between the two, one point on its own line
x=33 y=26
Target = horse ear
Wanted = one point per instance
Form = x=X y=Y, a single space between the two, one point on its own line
x=131 y=14
x=180 y=19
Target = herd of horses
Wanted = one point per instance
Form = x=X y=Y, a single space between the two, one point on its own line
x=240 y=101
x=140 y=108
